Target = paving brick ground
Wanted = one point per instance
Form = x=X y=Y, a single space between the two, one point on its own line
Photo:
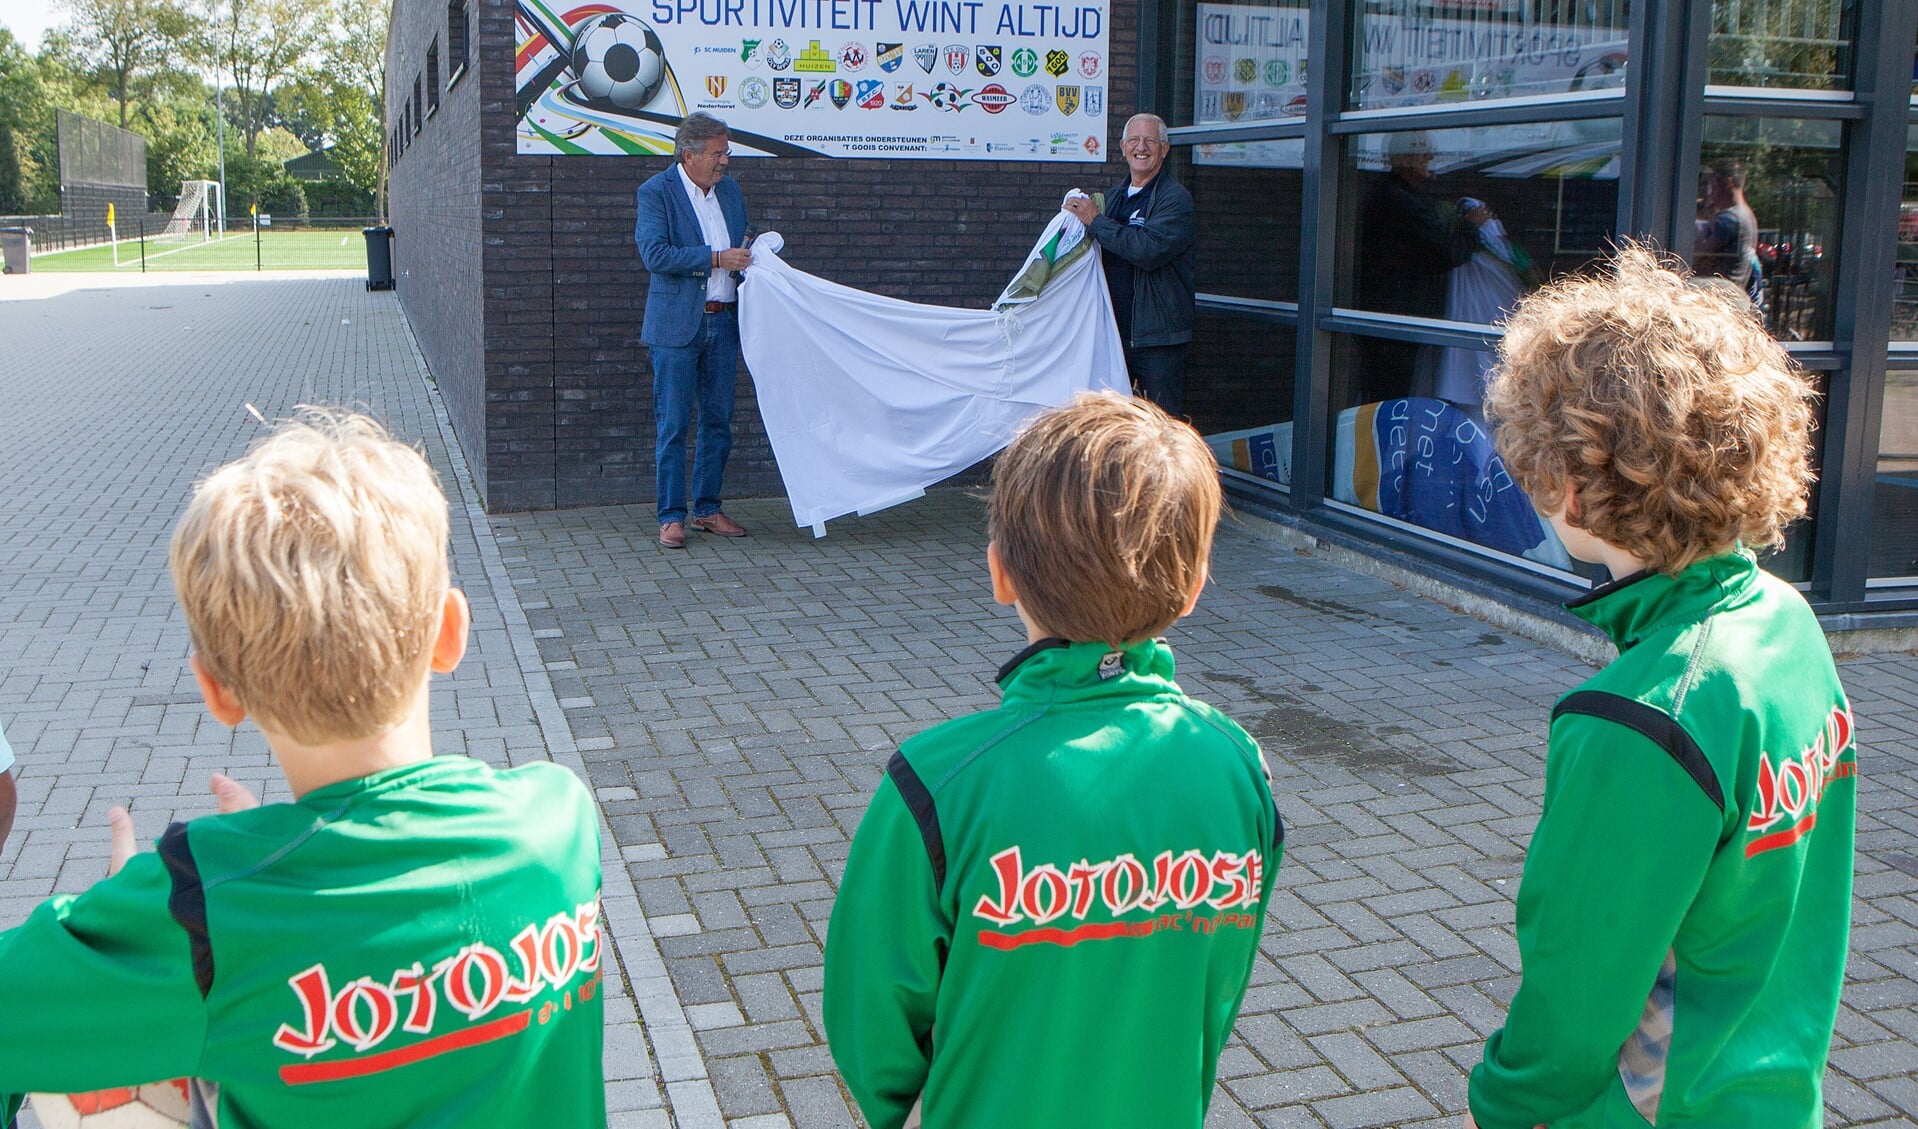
x=733 y=706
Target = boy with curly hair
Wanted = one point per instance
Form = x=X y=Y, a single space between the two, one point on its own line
x=1683 y=913
x=412 y=939
x=1050 y=911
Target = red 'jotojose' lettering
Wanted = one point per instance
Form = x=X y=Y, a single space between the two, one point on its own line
x=480 y=960
x=1123 y=884
x=382 y=1013
x=314 y=995
x=1005 y=911
x=418 y=983
x=559 y=949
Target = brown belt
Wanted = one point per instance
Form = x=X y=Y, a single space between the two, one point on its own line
x=720 y=307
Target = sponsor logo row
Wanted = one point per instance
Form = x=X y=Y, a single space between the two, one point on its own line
x=1246 y=71
x=987 y=59
x=754 y=93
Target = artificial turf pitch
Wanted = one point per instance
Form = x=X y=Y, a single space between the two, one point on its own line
x=278 y=250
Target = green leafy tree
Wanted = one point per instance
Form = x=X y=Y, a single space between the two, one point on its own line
x=127 y=44
x=258 y=45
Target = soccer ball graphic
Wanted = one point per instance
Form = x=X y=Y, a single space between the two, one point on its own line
x=619 y=59
x=160 y=1105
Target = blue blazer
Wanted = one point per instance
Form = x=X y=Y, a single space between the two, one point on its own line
x=675 y=252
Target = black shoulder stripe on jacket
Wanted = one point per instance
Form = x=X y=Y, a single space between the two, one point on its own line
x=1655 y=725
x=187 y=903
x=919 y=802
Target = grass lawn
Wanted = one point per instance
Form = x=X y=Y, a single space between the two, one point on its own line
x=278 y=250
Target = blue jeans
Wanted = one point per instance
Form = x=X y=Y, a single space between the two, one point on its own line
x=699 y=375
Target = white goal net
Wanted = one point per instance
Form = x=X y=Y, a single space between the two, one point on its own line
x=201 y=211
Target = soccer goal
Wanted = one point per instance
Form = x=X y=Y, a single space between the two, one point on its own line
x=201 y=210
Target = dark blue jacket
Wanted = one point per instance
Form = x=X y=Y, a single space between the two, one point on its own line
x=674 y=250
x=1160 y=252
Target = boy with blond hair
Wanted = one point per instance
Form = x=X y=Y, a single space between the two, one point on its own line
x=1682 y=917
x=1050 y=911
x=412 y=940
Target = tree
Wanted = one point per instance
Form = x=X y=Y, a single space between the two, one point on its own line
x=259 y=44
x=337 y=104
x=127 y=42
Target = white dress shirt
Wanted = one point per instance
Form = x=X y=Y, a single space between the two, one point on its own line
x=720 y=286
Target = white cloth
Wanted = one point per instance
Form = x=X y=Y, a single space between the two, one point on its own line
x=1485 y=289
x=868 y=400
x=6 y=752
x=720 y=286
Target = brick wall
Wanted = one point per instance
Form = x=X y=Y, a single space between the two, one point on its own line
x=567 y=390
x=434 y=208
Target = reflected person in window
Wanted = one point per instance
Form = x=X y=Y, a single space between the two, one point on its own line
x=1409 y=242
x=1148 y=232
x=1726 y=244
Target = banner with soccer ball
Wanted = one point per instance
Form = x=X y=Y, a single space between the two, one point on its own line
x=1004 y=80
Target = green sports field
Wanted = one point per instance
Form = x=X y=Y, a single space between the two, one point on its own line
x=278 y=250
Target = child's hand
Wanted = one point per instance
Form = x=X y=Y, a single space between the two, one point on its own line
x=124 y=847
x=229 y=795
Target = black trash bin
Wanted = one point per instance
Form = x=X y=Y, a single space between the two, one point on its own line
x=16 y=250
x=379 y=257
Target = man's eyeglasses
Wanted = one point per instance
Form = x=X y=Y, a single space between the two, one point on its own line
x=1136 y=142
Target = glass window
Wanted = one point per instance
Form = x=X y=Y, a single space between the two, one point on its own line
x=1458 y=224
x=1431 y=464
x=1248 y=197
x=1238 y=392
x=1418 y=53
x=1904 y=291
x=1246 y=61
x=1795 y=44
x=1769 y=191
x=1894 y=502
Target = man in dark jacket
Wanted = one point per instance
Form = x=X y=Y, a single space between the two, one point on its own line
x=1148 y=232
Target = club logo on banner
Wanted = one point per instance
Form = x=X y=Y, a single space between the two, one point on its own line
x=947 y=97
x=616 y=77
x=1214 y=70
x=815 y=59
x=1234 y=104
x=993 y=98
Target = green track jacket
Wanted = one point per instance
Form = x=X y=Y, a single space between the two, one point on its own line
x=419 y=947
x=1050 y=911
x=1682 y=919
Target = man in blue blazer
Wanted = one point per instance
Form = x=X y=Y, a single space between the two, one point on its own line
x=691 y=234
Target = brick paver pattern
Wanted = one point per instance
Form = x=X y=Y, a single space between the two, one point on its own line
x=734 y=704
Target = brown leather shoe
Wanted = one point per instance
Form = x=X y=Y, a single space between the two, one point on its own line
x=673 y=535
x=720 y=524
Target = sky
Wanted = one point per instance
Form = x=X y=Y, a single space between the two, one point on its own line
x=28 y=19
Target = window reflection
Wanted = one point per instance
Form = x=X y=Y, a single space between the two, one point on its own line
x=1904 y=293
x=1247 y=62
x=1458 y=225
x=1416 y=53
x=1794 y=44
x=1767 y=218
x=1894 y=509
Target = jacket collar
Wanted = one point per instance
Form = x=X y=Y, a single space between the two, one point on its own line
x=1054 y=669
x=1639 y=605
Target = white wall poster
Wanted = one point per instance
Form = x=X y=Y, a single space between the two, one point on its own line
x=1001 y=80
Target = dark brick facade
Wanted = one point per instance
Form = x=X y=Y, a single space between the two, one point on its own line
x=522 y=283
